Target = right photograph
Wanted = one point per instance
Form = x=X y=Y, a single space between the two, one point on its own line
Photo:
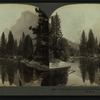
x=74 y=45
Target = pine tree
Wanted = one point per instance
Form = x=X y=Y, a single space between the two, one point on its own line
x=51 y=31
x=20 y=49
x=42 y=38
x=96 y=45
x=28 y=48
x=15 y=43
x=55 y=27
x=90 y=43
x=83 y=45
x=59 y=48
x=23 y=37
x=55 y=35
x=15 y=47
x=99 y=47
x=21 y=43
x=63 y=48
x=10 y=44
x=3 y=45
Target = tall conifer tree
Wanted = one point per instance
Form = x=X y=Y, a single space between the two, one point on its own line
x=3 y=45
x=91 y=43
x=10 y=44
x=28 y=48
x=42 y=39
x=83 y=45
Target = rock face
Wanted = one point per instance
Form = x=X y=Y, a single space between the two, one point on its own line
x=22 y=25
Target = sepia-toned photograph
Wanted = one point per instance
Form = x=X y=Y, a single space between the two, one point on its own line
x=74 y=54
x=24 y=45
x=60 y=50
x=49 y=49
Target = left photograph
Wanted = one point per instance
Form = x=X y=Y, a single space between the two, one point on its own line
x=24 y=45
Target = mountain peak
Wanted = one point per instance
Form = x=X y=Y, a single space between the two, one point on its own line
x=27 y=12
x=22 y=24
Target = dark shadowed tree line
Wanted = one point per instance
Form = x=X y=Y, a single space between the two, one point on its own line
x=90 y=46
x=11 y=49
x=25 y=49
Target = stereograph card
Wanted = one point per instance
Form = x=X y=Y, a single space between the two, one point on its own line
x=49 y=49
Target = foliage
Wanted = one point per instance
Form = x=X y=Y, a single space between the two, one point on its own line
x=3 y=45
x=91 y=43
x=89 y=47
x=58 y=45
x=42 y=38
x=28 y=48
x=10 y=44
x=83 y=45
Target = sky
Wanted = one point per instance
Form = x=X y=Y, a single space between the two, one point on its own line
x=9 y=13
x=78 y=17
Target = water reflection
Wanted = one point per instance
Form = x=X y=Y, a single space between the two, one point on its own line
x=25 y=73
x=58 y=77
x=18 y=73
x=83 y=72
x=90 y=70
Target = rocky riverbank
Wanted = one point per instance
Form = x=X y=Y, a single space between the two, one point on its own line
x=34 y=64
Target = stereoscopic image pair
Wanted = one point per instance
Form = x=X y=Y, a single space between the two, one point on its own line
x=62 y=50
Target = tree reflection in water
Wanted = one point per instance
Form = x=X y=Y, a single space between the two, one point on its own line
x=13 y=72
x=56 y=77
x=89 y=68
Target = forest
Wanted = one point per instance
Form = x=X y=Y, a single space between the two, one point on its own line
x=59 y=47
x=24 y=49
x=50 y=43
x=89 y=47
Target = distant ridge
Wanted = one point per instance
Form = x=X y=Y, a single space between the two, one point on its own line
x=73 y=45
x=22 y=25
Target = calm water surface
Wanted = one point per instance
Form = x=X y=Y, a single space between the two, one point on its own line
x=82 y=72
x=16 y=73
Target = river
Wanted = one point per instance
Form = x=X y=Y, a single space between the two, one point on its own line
x=83 y=72
x=86 y=72
x=14 y=73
